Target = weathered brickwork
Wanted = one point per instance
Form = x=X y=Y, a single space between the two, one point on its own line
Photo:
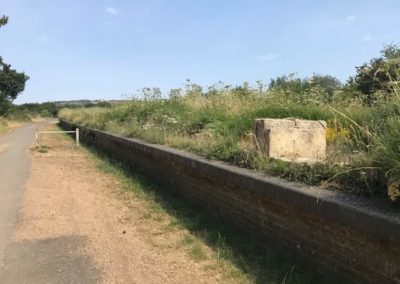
x=333 y=232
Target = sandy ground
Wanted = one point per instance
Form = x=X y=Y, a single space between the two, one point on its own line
x=67 y=198
x=4 y=147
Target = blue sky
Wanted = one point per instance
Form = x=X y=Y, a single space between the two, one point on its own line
x=102 y=49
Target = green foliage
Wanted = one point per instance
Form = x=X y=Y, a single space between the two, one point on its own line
x=377 y=136
x=47 y=109
x=103 y=104
x=378 y=80
x=290 y=83
x=3 y=21
x=217 y=123
x=12 y=83
x=329 y=85
x=212 y=124
x=5 y=105
x=302 y=90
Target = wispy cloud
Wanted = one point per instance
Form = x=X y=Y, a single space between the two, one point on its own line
x=367 y=37
x=339 y=22
x=140 y=29
x=351 y=18
x=268 y=56
x=42 y=38
x=112 y=11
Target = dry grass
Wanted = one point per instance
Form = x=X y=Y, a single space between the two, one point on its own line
x=362 y=152
x=3 y=125
x=7 y=124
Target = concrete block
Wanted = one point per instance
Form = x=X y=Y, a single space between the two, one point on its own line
x=291 y=139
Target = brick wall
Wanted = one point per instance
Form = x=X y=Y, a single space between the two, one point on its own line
x=350 y=237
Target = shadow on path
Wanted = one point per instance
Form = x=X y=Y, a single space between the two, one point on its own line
x=54 y=260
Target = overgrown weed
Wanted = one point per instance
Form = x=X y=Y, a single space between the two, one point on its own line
x=362 y=150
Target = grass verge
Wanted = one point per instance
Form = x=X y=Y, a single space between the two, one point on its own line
x=3 y=125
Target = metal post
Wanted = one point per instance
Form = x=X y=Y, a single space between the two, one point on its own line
x=77 y=136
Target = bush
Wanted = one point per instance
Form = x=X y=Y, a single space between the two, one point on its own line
x=379 y=79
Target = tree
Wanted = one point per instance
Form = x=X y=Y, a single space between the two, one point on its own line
x=12 y=83
x=290 y=83
x=380 y=74
x=3 y=20
x=328 y=84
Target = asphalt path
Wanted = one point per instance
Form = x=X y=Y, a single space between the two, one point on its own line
x=14 y=172
x=53 y=260
x=62 y=221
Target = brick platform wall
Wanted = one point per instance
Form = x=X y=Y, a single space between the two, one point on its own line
x=336 y=233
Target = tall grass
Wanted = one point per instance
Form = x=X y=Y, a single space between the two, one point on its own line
x=363 y=155
x=3 y=125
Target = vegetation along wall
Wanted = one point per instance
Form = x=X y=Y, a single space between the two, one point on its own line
x=340 y=234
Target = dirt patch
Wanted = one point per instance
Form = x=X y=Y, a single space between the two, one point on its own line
x=4 y=146
x=67 y=196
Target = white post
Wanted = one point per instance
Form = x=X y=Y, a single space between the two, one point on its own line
x=36 y=139
x=77 y=136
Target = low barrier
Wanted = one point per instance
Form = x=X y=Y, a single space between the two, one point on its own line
x=354 y=238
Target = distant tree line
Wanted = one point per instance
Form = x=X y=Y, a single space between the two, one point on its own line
x=327 y=84
x=375 y=81
x=50 y=109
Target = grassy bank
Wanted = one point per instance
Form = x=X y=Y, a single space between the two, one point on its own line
x=3 y=125
x=362 y=151
x=7 y=124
